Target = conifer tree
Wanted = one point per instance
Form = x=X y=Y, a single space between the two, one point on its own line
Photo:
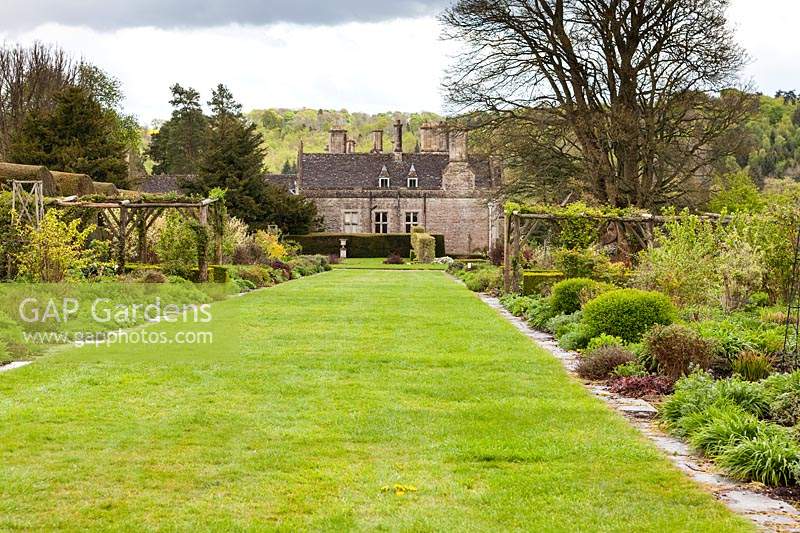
x=77 y=135
x=178 y=146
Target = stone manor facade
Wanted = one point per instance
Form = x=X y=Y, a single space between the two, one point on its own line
x=441 y=187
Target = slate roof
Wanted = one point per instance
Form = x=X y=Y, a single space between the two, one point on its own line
x=361 y=171
x=163 y=183
x=160 y=184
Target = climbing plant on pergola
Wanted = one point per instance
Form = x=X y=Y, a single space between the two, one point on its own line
x=121 y=216
x=630 y=229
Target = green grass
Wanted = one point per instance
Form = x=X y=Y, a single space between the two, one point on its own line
x=371 y=263
x=342 y=384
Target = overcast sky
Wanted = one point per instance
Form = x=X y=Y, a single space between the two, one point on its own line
x=362 y=55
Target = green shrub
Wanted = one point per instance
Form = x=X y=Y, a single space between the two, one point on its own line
x=631 y=369
x=599 y=364
x=603 y=340
x=259 y=276
x=677 y=349
x=627 y=313
x=562 y=323
x=721 y=426
x=362 y=244
x=539 y=313
x=752 y=366
x=423 y=245
x=219 y=274
x=566 y=295
x=758 y=299
x=517 y=305
x=770 y=458
x=698 y=391
x=538 y=282
x=589 y=263
x=176 y=243
x=778 y=384
x=483 y=279
x=153 y=276
x=785 y=409
x=574 y=337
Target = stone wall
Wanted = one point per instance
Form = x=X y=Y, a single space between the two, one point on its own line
x=465 y=222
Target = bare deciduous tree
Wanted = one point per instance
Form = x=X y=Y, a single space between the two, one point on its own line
x=636 y=92
x=29 y=79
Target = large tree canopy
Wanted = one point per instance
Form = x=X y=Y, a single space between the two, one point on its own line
x=178 y=146
x=633 y=93
x=233 y=159
x=77 y=135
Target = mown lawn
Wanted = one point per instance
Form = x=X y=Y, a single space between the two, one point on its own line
x=342 y=384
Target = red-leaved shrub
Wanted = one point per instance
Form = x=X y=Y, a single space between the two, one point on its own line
x=641 y=386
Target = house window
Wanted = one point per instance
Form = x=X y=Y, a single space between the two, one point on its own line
x=413 y=183
x=412 y=219
x=381 y=221
x=352 y=222
x=383 y=183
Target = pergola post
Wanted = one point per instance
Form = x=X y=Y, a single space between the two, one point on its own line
x=202 y=258
x=122 y=237
x=141 y=226
x=507 y=253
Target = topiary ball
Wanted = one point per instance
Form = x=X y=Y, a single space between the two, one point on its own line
x=627 y=313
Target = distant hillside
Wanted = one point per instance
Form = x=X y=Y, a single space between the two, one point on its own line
x=284 y=128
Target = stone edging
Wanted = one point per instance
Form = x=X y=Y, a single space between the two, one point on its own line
x=769 y=514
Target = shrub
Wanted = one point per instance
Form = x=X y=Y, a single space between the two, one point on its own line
x=589 y=263
x=677 y=349
x=539 y=313
x=258 y=275
x=234 y=235
x=538 y=282
x=785 y=409
x=566 y=295
x=153 y=276
x=693 y=393
x=633 y=369
x=770 y=458
x=778 y=384
x=176 y=244
x=484 y=279
x=248 y=253
x=720 y=426
x=627 y=313
x=752 y=366
x=53 y=251
x=562 y=323
x=394 y=259
x=423 y=245
x=517 y=305
x=600 y=363
x=741 y=267
x=641 y=386
x=603 y=340
x=270 y=245
x=334 y=259
x=218 y=274
x=758 y=299
x=575 y=337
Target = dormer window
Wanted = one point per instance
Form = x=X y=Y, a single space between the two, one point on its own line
x=383 y=179
x=413 y=182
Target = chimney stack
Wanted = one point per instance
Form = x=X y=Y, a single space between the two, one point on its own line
x=377 y=142
x=433 y=137
x=458 y=145
x=398 y=136
x=338 y=141
x=351 y=146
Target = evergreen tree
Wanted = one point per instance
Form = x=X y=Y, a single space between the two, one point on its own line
x=234 y=160
x=77 y=135
x=178 y=146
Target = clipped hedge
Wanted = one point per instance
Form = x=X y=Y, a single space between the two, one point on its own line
x=628 y=313
x=362 y=244
x=534 y=282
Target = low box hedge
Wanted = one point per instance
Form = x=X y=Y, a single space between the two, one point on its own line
x=361 y=244
x=533 y=282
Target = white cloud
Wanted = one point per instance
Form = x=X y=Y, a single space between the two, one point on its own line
x=768 y=30
x=370 y=67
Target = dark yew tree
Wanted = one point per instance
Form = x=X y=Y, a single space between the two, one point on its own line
x=234 y=160
x=632 y=93
x=77 y=135
x=178 y=146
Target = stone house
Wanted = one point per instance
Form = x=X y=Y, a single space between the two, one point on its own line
x=442 y=187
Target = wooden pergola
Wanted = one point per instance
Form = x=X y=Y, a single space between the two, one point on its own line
x=120 y=217
x=630 y=232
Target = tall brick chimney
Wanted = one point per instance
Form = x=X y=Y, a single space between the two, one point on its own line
x=458 y=145
x=338 y=141
x=433 y=137
x=398 y=136
x=377 y=141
